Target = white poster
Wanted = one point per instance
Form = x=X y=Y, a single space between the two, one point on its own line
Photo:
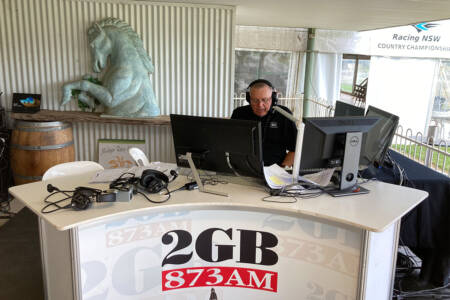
x=219 y=254
x=114 y=154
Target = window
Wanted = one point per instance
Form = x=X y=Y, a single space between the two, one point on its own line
x=251 y=65
x=441 y=103
x=355 y=69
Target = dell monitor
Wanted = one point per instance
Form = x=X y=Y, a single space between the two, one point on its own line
x=343 y=109
x=335 y=143
x=216 y=144
x=379 y=138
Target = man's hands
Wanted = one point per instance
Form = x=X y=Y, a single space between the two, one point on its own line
x=288 y=159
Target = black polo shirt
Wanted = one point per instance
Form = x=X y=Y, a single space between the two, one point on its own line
x=278 y=133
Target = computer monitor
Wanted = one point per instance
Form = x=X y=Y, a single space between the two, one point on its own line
x=216 y=144
x=335 y=142
x=343 y=109
x=379 y=138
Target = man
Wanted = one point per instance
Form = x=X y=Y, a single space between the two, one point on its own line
x=278 y=133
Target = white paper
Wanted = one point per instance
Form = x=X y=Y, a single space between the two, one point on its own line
x=321 y=178
x=277 y=177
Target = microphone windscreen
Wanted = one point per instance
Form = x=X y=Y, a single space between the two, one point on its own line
x=50 y=188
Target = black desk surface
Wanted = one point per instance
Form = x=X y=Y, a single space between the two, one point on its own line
x=425 y=229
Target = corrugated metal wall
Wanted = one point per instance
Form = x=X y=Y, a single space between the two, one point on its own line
x=44 y=44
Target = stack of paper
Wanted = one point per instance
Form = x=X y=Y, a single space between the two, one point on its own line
x=277 y=177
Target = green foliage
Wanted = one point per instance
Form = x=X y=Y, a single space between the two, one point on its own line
x=83 y=106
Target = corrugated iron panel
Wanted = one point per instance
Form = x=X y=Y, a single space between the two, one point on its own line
x=43 y=44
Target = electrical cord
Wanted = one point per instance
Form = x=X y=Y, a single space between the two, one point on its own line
x=153 y=201
x=292 y=190
x=56 y=203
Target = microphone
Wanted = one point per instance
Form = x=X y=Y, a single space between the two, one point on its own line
x=285 y=113
x=174 y=175
x=51 y=188
x=298 y=146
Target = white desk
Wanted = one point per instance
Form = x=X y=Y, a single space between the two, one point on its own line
x=318 y=248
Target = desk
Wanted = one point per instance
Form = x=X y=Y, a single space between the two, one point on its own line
x=197 y=244
x=426 y=228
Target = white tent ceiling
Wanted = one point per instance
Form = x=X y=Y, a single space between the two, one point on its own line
x=352 y=15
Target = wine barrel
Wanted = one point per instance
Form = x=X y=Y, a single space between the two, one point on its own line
x=37 y=146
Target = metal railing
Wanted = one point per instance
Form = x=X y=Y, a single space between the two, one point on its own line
x=425 y=150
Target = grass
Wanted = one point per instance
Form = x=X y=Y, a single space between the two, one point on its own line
x=420 y=153
x=346 y=87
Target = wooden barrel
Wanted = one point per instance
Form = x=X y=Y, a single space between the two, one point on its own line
x=37 y=146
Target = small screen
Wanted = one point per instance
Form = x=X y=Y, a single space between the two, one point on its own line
x=379 y=138
x=324 y=140
x=343 y=109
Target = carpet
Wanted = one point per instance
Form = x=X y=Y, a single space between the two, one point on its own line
x=20 y=258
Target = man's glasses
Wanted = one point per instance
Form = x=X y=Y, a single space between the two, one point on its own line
x=258 y=101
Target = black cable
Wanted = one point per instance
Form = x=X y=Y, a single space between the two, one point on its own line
x=56 y=203
x=156 y=202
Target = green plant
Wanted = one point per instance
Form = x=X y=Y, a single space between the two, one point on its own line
x=83 y=106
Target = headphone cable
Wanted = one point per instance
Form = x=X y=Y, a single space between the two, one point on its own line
x=153 y=201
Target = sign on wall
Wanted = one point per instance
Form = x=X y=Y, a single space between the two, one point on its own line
x=114 y=153
x=428 y=39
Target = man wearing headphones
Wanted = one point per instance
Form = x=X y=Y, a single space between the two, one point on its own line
x=278 y=133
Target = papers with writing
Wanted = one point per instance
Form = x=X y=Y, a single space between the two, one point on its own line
x=276 y=177
x=321 y=178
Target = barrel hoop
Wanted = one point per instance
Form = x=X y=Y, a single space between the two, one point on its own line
x=28 y=178
x=44 y=129
x=48 y=147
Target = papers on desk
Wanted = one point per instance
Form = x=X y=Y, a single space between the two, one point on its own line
x=277 y=177
x=109 y=175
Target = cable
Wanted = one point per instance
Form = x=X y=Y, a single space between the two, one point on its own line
x=56 y=203
x=156 y=202
x=188 y=186
x=292 y=190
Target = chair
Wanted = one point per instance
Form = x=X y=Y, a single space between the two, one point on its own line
x=71 y=168
x=139 y=156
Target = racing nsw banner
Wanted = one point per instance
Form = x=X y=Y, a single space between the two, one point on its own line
x=429 y=39
x=423 y=40
x=219 y=254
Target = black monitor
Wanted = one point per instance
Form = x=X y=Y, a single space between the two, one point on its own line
x=379 y=138
x=221 y=145
x=343 y=109
x=335 y=142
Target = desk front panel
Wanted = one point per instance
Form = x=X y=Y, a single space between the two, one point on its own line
x=229 y=254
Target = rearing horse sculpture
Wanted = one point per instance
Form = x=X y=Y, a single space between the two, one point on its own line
x=126 y=88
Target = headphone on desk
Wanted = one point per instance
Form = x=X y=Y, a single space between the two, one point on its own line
x=81 y=198
x=266 y=82
x=154 y=181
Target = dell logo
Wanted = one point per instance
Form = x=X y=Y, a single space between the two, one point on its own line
x=354 y=141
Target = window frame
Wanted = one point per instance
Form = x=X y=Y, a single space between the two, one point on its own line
x=357 y=58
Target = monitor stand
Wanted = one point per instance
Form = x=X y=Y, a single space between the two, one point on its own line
x=201 y=187
x=350 y=167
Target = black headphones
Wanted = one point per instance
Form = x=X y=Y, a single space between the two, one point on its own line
x=266 y=82
x=80 y=199
x=153 y=181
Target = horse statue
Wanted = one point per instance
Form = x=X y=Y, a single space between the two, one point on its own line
x=125 y=88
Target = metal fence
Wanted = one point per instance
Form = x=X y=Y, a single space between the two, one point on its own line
x=431 y=152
